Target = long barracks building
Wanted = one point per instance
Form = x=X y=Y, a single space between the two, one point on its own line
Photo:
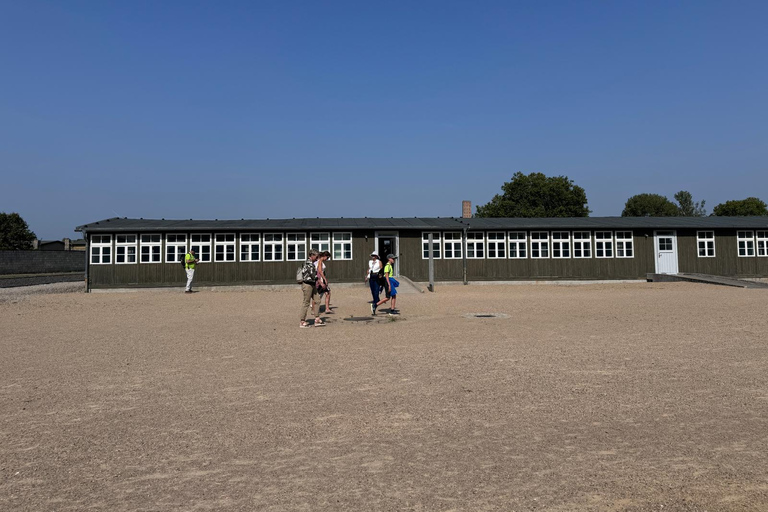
x=126 y=252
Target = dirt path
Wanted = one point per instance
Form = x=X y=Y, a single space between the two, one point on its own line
x=600 y=397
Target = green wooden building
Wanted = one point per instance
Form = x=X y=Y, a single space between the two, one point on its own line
x=126 y=252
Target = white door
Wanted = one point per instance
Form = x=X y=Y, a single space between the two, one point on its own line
x=666 y=252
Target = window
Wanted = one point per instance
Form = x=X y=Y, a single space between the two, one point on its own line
x=151 y=248
x=561 y=244
x=624 y=244
x=452 y=245
x=518 y=244
x=705 y=240
x=475 y=245
x=497 y=244
x=224 y=247
x=539 y=244
x=296 y=246
x=582 y=244
x=342 y=246
x=762 y=243
x=125 y=249
x=746 y=243
x=175 y=247
x=273 y=247
x=603 y=244
x=101 y=249
x=250 y=246
x=425 y=246
x=320 y=242
x=201 y=244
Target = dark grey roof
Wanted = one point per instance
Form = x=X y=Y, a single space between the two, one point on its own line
x=125 y=225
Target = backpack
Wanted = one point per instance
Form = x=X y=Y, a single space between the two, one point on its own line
x=300 y=274
x=183 y=261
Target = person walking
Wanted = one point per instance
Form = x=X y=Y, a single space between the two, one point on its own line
x=325 y=291
x=374 y=266
x=189 y=267
x=309 y=291
x=390 y=285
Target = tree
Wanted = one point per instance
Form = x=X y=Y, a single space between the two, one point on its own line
x=649 y=205
x=14 y=233
x=686 y=207
x=744 y=207
x=536 y=195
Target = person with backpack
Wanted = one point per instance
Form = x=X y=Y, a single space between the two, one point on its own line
x=308 y=279
x=390 y=285
x=189 y=262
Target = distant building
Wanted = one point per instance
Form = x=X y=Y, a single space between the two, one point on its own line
x=139 y=252
x=64 y=244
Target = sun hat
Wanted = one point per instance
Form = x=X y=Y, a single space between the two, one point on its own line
x=374 y=253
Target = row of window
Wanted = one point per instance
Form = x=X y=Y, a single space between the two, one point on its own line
x=129 y=249
x=536 y=245
x=748 y=240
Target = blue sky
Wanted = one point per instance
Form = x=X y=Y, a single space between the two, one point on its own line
x=163 y=109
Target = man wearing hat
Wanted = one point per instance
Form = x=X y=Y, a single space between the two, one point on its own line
x=374 y=267
x=390 y=285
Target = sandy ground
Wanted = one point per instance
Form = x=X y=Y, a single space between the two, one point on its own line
x=603 y=397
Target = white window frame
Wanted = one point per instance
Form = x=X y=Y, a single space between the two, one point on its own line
x=539 y=245
x=272 y=244
x=101 y=248
x=517 y=245
x=705 y=243
x=582 y=244
x=202 y=246
x=436 y=239
x=761 y=239
x=228 y=245
x=342 y=245
x=320 y=242
x=475 y=245
x=172 y=240
x=603 y=244
x=296 y=243
x=153 y=242
x=126 y=249
x=496 y=244
x=745 y=244
x=625 y=245
x=561 y=245
x=249 y=241
x=451 y=245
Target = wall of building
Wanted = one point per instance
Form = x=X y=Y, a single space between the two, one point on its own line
x=41 y=262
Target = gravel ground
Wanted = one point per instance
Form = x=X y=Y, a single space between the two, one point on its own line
x=605 y=397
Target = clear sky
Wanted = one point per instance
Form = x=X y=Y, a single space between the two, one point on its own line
x=255 y=109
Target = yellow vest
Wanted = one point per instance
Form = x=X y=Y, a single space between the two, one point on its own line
x=187 y=259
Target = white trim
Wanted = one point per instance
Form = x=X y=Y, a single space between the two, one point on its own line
x=761 y=245
x=389 y=234
x=179 y=247
x=320 y=241
x=582 y=245
x=101 y=249
x=540 y=245
x=296 y=243
x=702 y=238
x=436 y=244
x=604 y=244
x=127 y=249
x=155 y=247
x=748 y=242
x=342 y=245
x=272 y=244
x=200 y=246
x=625 y=245
x=519 y=243
x=247 y=243
x=561 y=246
x=496 y=245
x=475 y=245
x=452 y=245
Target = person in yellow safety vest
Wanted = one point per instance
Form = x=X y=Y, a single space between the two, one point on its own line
x=189 y=266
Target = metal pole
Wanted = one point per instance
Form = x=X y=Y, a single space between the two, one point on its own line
x=87 y=261
x=464 y=253
x=431 y=286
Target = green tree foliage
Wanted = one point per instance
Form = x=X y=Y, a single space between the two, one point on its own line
x=686 y=207
x=649 y=205
x=14 y=232
x=744 y=207
x=536 y=195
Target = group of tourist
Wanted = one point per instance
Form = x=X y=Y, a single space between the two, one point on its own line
x=314 y=285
